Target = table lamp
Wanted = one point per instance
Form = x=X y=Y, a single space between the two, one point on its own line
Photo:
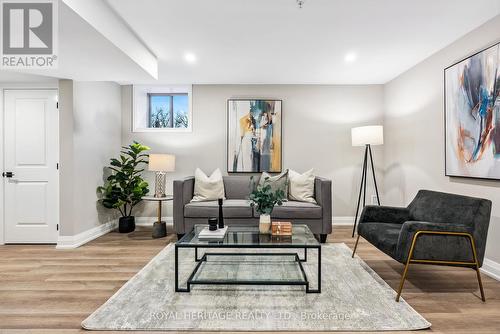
x=161 y=164
x=366 y=136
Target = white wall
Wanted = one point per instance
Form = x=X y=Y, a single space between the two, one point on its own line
x=66 y=164
x=414 y=124
x=97 y=138
x=94 y=137
x=316 y=133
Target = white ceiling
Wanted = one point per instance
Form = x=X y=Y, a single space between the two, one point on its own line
x=84 y=55
x=267 y=41
x=272 y=41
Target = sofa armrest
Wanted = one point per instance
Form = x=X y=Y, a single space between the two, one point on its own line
x=323 y=196
x=183 y=193
x=384 y=214
x=428 y=246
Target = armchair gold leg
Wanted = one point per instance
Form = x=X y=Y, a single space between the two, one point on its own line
x=402 y=282
x=474 y=253
x=474 y=265
x=483 y=298
x=407 y=266
x=355 y=246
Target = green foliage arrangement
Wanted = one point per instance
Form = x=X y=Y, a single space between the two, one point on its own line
x=125 y=187
x=263 y=198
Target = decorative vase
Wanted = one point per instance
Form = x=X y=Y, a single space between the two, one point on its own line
x=264 y=223
x=212 y=224
x=126 y=224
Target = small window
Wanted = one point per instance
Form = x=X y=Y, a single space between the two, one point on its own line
x=168 y=111
x=161 y=108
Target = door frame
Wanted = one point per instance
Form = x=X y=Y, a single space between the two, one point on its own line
x=23 y=86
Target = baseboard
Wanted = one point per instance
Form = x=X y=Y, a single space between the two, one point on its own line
x=343 y=221
x=75 y=241
x=491 y=268
x=148 y=221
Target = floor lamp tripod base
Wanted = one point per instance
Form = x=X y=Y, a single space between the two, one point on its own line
x=362 y=187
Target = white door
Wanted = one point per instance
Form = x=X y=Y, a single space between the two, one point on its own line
x=30 y=166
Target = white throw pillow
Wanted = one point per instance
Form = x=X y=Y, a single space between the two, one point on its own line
x=301 y=186
x=207 y=188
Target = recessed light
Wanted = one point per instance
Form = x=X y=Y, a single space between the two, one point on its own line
x=190 y=57
x=350 y=57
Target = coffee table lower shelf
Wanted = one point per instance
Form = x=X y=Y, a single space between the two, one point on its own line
x=228 y=268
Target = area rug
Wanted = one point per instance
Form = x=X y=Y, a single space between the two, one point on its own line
x=353 y=298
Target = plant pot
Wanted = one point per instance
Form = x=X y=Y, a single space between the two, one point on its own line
x=264 y=223
x=126 y=224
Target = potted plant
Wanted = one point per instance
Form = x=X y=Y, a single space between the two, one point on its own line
x=125 y=187
x=263 y=199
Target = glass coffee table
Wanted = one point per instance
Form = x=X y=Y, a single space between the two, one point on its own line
x=246 y=257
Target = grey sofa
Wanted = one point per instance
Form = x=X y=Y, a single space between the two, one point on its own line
x=237 y=209
x=436 y=228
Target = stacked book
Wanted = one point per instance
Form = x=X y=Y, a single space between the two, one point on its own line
x=217 y=235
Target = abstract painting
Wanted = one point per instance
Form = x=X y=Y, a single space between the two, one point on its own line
x=472 y=116
x=254 y=136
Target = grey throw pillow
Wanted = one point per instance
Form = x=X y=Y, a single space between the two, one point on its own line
x=276 y=182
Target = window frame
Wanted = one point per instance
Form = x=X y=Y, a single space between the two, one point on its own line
x=141 y=92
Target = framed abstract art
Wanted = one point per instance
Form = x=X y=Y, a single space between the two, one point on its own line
x=254 y=142
x=472 y=116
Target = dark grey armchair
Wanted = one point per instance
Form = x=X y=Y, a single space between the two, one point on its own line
x=436 y=228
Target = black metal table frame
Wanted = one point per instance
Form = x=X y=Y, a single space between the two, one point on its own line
x=199 y=261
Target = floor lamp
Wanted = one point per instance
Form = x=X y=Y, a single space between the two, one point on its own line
x=366 y=136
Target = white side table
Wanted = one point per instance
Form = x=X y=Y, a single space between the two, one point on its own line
x=159 y=227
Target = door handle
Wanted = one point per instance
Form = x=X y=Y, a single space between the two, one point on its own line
x=7 y=174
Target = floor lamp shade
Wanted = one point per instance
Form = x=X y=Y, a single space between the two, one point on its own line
x=161 y=164
x=367 y=135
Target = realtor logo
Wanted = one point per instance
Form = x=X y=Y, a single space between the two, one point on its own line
x=29 y=34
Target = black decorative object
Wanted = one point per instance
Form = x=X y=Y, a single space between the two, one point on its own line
x=212 y=224
x=126 y=224
x=221 y=216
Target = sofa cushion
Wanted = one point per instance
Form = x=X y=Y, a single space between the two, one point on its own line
x=232 y=208
x=296 y=210
x=238 y=186
x=384 y=236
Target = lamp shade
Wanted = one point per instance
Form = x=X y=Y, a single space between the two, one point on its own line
x=161 y=162
x=367 y=135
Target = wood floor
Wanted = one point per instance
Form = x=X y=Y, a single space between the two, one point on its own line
x=44 y=290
